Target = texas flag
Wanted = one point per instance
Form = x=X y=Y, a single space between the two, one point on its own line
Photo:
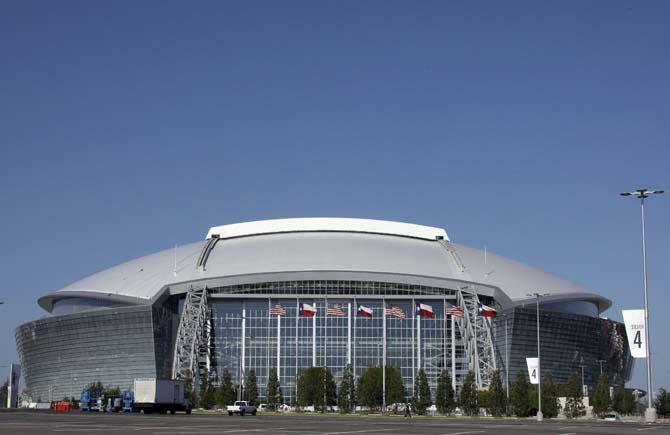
x=425 y=310
x=364 y=311
x=486 y=311
x=307 y=310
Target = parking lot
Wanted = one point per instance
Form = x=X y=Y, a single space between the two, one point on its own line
x=40 y=422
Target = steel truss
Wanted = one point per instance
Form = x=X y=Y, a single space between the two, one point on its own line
x=192 y=347
x=477 y=338
x=475 y=330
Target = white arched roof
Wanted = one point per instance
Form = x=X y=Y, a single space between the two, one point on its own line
x=321 y=245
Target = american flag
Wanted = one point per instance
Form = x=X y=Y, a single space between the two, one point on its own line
x=278 y=310
x=454 y=310
x=395 y=311
x=336 y=311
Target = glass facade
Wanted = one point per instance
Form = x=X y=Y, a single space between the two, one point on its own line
x=61 y=354
x=568 y=342
x=332 y=341
x=245 y=335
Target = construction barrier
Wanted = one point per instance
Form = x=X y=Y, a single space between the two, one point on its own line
x=63 y=407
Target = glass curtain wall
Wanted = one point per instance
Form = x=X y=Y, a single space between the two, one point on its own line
x=331 y=340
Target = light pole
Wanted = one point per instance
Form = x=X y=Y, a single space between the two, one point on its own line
x=601 y=361
x=642 y=194
x=539 y=371
x=506 y=361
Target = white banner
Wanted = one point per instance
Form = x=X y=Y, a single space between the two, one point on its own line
x=532 y=370
x=635 y=325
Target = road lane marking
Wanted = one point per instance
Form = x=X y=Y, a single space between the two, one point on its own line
x=648 y=428
x=568 y=433
x=463 y=433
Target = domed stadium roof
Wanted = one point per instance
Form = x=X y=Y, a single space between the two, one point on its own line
x=336 y=247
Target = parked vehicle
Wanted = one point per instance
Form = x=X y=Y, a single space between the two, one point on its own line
x=128 y=400
x=241 y=407
x=160 y=395
x=612 y=416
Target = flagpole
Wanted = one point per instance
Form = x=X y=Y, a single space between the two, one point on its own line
x=384 y=356
x=477 y=381
x=243 y=356
x=444 y=332
x=314 y=337
x=279 y=347
x=297 y=333
x=413 y=342
x=349 y=332
x=418 y=340
x=268 y=334
x=353 y=333
x=453 y=352
x=325 y=335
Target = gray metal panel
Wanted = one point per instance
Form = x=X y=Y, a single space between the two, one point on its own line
x=145 y=277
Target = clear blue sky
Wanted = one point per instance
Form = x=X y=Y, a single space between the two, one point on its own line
x=128 y=127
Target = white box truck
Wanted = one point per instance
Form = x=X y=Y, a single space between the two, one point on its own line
x=160 y=395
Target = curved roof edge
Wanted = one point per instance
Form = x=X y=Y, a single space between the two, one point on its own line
x=602 y=302
x=350 y=225
x=47 y=301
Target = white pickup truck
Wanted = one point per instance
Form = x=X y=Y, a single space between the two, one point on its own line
x=241 y=407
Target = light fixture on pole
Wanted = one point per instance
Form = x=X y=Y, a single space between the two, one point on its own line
x=642 y=194
x=539 y=371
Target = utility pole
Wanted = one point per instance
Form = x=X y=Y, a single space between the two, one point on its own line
x=601 y=361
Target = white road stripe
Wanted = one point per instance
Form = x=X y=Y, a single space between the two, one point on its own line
x=463 y=433
x=568 y=433
x=648 y=428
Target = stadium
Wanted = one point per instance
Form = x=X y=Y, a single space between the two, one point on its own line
x=295 y=293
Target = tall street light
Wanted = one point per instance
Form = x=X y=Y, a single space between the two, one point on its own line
x=642 y=194
x=539 y=372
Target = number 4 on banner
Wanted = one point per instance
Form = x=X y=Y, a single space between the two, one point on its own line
x=635 y=331
x=532 y=370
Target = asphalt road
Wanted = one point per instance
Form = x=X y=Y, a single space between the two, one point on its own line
x=44 y=422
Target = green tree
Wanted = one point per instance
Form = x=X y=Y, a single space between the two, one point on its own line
x=3 y=394
x=96 y=389
x=549 y=396
x=251 y=388
x=662 y=403
x=112 y=391
x=629 y=403
x=189 y=393
x=206 y=393
x=574 y=406
x=469 y=395
x=369 y=391
x=519 y=396
x=497 y=404
x=325 y=391
x=395 y=388
x=300 y=389
x=444 y=396
x=483 y=399
x=316 y=386
x=370 y=388
x=274 y=394
x=225 y=394
x=421 y=398
x=346 y=397
x=601 y=396
x=617 y=401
